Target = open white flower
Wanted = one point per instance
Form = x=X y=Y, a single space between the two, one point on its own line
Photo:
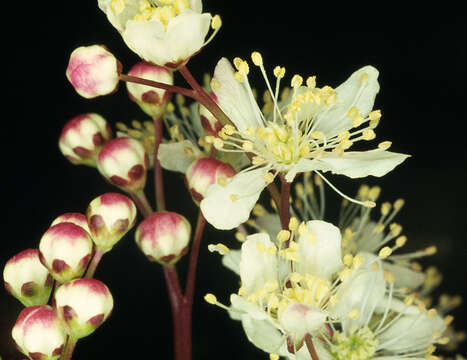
x=163 y=32
x=310 y=130
x=286 y=286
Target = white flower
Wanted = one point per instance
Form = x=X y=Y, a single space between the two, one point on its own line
x=310 y=130
x=163 y=32
x=278 y=306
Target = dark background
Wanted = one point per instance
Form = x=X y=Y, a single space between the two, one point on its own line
x=421 y=56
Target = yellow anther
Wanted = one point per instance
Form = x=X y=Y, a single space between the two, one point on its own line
x=257 y=58
x=279 y=72
x=430 y=313
x=215 y=84
x=179 y=99
x=302 y=229
x=237 y=62
x=354 y=314
x=210 y=298
x=408 y=300
x=384 y=145
x=239 y=77
x=374 y=192
x=443 y=341
x=243 y=68
x=257 y=160
x=318 y=135
x=401 y=240
x=240 y=236
x=229 y=129
x=395 y=229
x=345 y=273
x=389 y=277
x=385 y=252
x=293 y=224
x=379 y=228
x=259 y=210
x=375 y=115
x=234 y=197
x=385 y=208
x=369 y=204
x=296 y=277
x=399 y=203
x=247 y=146
x=261 y=247
x=220 y=248
x=218 y=143
x=272 y=250
x=268 y=178
x=358 y=261
x=242 y=291
x=273 y=357
x=216 y=22
x=368 y=134
x=348 y=259
x=363 y=78
x=118 y=6
x=357 y=120
x=448 y=320
x=333 y=300
x=283 y=235
x=431 y=250
x=311 y=82
x=363 y=191
x=296 y=81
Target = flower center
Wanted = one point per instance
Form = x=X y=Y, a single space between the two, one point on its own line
x=360 y=345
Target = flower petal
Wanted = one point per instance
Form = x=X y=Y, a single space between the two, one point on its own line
x=320 y=249
x=359 y=90
x=257 y=265
x=231 y=261
x=233 y=98
x=226 y=207
x=264 y=335
x=178 y=156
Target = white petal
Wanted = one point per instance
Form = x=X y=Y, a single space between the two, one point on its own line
x=405 y=277
x=257 y=266
x=353 y=92
x=264 y=335
x=320 y=249
x=233 y=98
x=357 y=164
x=322 y=352
x=178 y=156
x=231 y=261
x=242 y=306
x=226 y=207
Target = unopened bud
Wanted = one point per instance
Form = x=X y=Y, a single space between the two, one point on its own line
x=73 y=217
x=93 y=71
x=38 y=333
x=27 y=279
x=153 y=101
x=83 y=305
x=204 y=172
x=210 y=124
x=110 y=216
x=65 y=249
x=124 y=162
x=82 y=138
x=163 y=237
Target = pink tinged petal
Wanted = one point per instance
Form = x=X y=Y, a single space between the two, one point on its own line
x=96 y=320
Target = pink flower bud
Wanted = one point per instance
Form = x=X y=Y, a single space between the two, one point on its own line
x=124 y=162
x=27 y=279
x=110 y=216
x=75 y=218
x=163 y=237
x=39 y=334
x=65 y=249
x=152 y=101
x=93 y=71
x=83 y=305
x=210 y=124
x=204 y=172
x=82 y=137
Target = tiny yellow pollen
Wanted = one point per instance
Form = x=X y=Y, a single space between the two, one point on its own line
x=369 y=204
x=311 y=82
x=430 y=313
x=216 y=22
x=375 y=115
x=401 y=240
x=399 y=203
x=363 y=78
x=385 y=252
x=385 y=208
x=247 y=146
x=234 y=197
x=257 y=58
x=431 y=250
x=244 y=69
x=302 y=229
x=293 y=224
x=218 y=143
x=210 y=298
x=368 y=134
x=408 y=300
x=240 y=236
x=358 y=261
x=268 y=178
x=215 y=84
x=384 y=145
x=283 y=235
x=279 y=72
x=256 y=160
x=354 y=314
x=374 y=192
x=273 y=357
x=348 y=259
x=296 y=81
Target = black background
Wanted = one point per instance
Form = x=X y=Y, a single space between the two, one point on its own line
x=421 y=55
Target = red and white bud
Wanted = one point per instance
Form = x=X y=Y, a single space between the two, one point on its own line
x=82 y=138
x=210 y=124
x=124 y=162
x=73 y=217
x=204 y=172
x=39 y=334
x=153 y=101
x=93 y=71
x=110 y=216
x=66 y=249
x=83 y=305
x=163 y=237
x=27 y=279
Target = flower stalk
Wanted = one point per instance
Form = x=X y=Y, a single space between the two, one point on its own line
x=158 y=181
x=69 y=348
x=94 y=262
x=284 y=210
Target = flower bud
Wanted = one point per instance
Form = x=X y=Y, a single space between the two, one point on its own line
x=153 y=101
x=75 y=218
x=204 y=172
x=39 y=334
x=163 y=237
x=110 y=216
x=65 y=249
x=210 y=124
x=82 y=137
x=93 y=71
x=27 y=279
x=124 y=162
x=83 y=305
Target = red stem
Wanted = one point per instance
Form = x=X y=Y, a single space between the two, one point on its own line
x=190 y=285
x=311 y=347
x=94 y=262
x=158 y=180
